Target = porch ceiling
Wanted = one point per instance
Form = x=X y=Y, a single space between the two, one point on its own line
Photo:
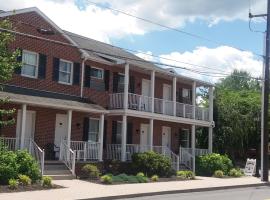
x=52 y=103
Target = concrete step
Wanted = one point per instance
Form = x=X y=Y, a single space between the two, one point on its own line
x=57 y=172
x=62 y=177
x=55 y=167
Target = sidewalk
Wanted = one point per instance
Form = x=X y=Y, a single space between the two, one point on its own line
x=77 y=189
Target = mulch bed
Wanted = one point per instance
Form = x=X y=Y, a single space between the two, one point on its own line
x=33 y=187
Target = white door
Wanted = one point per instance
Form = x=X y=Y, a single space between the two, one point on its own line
x=167 y=96
x=144 y=138
x=60 y=130
x=146 y=93
x=29 y=126
x=166 y=136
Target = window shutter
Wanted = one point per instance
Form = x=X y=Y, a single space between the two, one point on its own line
x=19 y=59
x=180 y=95
x=87 y=76
x=115 y=82
x=76 y=73
x=107 y=79
x=114 y=131
x=132 y=84
x=190 y=95
x=42 y=62
x=105 y=135
x=56 y=63
x=129 y=133
x=85 y=129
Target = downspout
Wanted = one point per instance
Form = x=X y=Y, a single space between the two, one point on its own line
x=82 y=75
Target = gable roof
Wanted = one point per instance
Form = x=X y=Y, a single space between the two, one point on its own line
x=102 y=52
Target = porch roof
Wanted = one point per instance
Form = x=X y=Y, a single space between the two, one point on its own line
x=52 y=103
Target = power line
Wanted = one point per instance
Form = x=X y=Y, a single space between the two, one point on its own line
x=171 y=28
x=117 y=56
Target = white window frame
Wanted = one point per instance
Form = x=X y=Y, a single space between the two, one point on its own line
x=94 y=119
x=187 y=132
x=71 y=72
x=102 y=70
x=36 y=72
x=188 y=94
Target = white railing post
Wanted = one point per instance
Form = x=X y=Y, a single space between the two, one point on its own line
x=152 y=91
x=84 y=151
x=184 y=110
x=174 y=95
x=42 y=162
x=61 y=151
x=194 y=100
x=151 y=133
x=23 y=125
x=73 y=163
x=101 y=132
x=177 y=163
x=126 y=79
x=124 y=139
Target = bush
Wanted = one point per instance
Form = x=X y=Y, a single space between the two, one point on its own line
x=107 y=179
x=140 y=174
x=155 y=178
x=24 y=180
x=235 y=172
x=13 y=184
x=27 y=165
x=8 y=166
x=46 y=181
x=142 y=179
x=218 y=174
x=206 y=165
x=90 y=171
x=185 y=175
x=151 y=163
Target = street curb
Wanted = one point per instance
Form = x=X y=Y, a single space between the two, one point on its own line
x=178 y=191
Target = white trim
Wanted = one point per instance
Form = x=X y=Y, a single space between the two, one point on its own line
x=94 y=119
x=71 y=72
x=101 y=69
x=37 y=64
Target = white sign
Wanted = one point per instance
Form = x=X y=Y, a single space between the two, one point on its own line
x=250 y=168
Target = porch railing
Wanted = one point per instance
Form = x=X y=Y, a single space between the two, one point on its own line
x=67 y=156
x=114 y=152
x=85 y=150
x=9 y=143
x=37 y=153
x=161 y=106
x=186 y=156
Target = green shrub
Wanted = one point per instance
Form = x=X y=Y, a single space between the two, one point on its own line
x=8 y=166
x=24 y=180
x=235 y=172
x=154 y=178
x=206 y=165
x=107 y=179
x=46 y=181
x=13 y=184
x=151 y=163
x=133 y=179
x=185 y=175
x=140 y=174
x=90 y=171
x=27 y=165
x=218 y=174
x=142 y=179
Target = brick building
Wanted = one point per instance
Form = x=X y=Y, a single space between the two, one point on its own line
x=97 y=100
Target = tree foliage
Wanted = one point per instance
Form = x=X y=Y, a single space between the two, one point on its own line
x=8 y=63
x=236 y=113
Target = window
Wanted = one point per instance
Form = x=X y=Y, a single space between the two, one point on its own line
x=121 y=83
x=96 y=73
x=65 y=72
x=185 y=93
x=93 y=130
x=30 y=64
x=184 y=138
x=119 y=133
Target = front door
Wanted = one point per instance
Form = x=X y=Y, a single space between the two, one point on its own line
x=146 y=93
x=166 y=136
x=144 y=138
x=60 y=131
x=167 y=96
x=29 y=126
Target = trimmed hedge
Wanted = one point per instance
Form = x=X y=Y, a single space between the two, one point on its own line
x=206 y=165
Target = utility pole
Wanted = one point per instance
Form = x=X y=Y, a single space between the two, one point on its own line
x=265 y=96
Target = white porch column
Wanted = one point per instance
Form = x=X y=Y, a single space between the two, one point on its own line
x=194 y=99
x=210 y=129
x=69 y=127
x=153 y=91
x=174 y=95
x=151 y=133
x=193 y=146
x=124 y=139
x=23 y=126
x=100 y=139
x=126 y=86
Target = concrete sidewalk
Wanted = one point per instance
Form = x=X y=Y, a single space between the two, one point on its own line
x=77 y=189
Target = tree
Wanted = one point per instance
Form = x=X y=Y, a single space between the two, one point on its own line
x=8 y=63
x=236 y=106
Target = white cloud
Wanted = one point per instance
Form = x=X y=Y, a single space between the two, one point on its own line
x=220 y=60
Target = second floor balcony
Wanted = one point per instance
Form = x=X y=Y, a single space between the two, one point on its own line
x=161 y=106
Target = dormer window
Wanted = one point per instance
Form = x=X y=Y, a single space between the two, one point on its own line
x=30 y=64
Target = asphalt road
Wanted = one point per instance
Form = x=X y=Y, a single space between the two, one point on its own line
x=254 y=193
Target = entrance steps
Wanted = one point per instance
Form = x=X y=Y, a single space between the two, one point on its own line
x=57 y=170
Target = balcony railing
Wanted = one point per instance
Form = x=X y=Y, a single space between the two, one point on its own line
x=161 y=106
